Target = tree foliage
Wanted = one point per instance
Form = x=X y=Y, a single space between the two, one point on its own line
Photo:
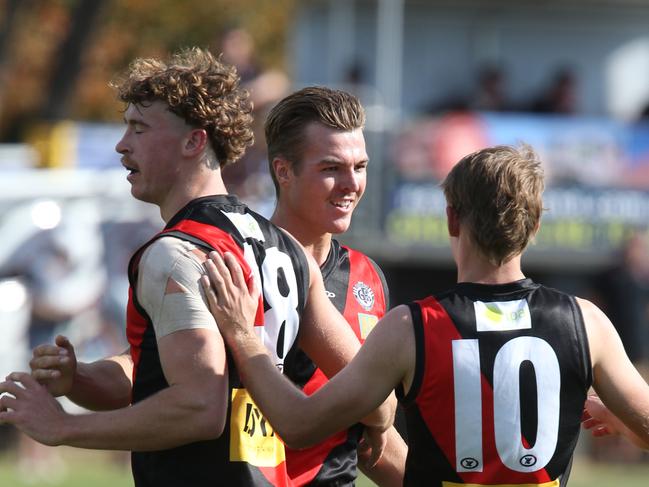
x=36 y=32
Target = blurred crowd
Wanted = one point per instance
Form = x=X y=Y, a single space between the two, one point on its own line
x=490 y=93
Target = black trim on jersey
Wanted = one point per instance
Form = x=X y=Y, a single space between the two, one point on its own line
x=335 y=275
x=582 y=337
x=331 y=262
x=341 y=462
x=384 y=283
x=495 y=292
x=149 y=369
x=420 y=358
x=429 y=463
x=563 y=481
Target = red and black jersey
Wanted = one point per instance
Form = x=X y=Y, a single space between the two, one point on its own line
x=501 y=377
x=356 y=286
x=248 y=453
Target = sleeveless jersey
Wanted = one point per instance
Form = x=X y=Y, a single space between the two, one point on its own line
x=248 y=452
x=357 y=288
x=501 y=377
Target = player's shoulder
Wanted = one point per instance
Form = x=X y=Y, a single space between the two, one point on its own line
x=591 y=312
x=164 y=253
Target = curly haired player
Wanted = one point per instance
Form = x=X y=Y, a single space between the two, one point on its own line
x=174 y=398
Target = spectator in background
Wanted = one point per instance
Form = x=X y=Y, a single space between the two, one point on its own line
x=354 y=74
x=490 y=94
x=560 y=97
x=238 y=49
x=249 y=178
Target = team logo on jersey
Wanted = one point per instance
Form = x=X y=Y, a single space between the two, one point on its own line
x=528 y=460
x=364 y=295
x=329 y=294
x=469 y=463
x=502 y=315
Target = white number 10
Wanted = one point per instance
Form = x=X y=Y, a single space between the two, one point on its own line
x=507 y=407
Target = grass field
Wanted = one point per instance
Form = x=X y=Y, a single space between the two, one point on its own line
x=98 y=469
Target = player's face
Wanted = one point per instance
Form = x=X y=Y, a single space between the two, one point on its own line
x=330 y=180
x=151 y=150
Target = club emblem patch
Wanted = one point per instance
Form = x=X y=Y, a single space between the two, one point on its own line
x=364 y=295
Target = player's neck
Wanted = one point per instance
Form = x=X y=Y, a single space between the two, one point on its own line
x=320 y=249
x=318 y=244
x=204 y=184
x=475 y=268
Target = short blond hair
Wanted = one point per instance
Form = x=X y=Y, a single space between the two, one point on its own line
x=496 y=193
x=201 y=90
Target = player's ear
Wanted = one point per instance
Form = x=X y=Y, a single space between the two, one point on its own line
x=282 y=169
x=453 y=222
x=195 y=142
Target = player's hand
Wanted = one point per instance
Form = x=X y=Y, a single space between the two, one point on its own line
x=372 y=446
x=597 y=418
x=232 y=301
x=31 y=408
x=55 y=366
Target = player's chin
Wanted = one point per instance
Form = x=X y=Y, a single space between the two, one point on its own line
x=340 y=225
x=139 y=194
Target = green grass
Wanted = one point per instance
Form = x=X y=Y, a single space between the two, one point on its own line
x=78 y=468
x=101 y=469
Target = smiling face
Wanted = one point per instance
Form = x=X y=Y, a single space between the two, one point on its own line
x=151 y=149
x=320 y=192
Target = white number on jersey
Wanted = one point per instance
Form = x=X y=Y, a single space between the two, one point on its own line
x=281 y=320
x=507 y=407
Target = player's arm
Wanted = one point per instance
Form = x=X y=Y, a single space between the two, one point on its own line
x=101 y=385
x=602 y=422
x=389 y=470
x=382 y=363
x=192 y=408
x=617 y=382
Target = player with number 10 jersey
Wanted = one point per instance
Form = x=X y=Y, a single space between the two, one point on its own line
x=508 y=367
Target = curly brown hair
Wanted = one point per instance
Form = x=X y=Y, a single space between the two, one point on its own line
x=200 y=89
x=496 y=192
